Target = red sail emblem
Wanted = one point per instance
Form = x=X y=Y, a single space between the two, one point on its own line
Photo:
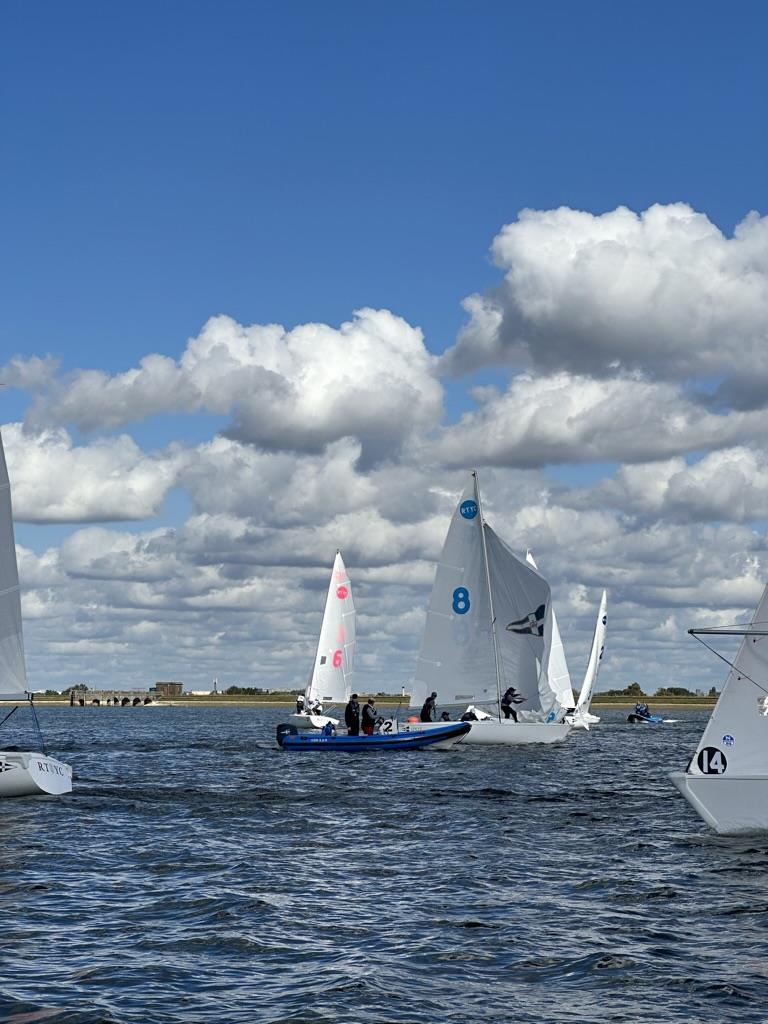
x=342 y=592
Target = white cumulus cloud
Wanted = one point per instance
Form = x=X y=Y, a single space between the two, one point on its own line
x=372 y=379
x=664 y=291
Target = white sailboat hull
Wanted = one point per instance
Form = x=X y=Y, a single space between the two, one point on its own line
x=25 y=773
x=507 y=732
x=730 y=805
x=582 y=719
x=304 y=721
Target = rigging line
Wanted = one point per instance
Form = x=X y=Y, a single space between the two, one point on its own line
x=730 y=664
x=13 y=709
x=37 y=725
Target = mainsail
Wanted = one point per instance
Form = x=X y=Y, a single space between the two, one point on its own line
x=331 y=679
x=457 y=659
x=558 y=675
x=736 y=735
x=595 y=656
x=489 y=623
x=13 y=672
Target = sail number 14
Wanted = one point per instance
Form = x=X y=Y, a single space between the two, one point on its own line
x=711 y=761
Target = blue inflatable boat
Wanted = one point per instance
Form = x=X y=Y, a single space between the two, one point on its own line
x=643 y=714
x=441 y=737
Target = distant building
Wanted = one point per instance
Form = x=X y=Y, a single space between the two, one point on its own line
x=167 y=689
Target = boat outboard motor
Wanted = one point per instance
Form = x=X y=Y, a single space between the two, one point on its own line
x=285 y=730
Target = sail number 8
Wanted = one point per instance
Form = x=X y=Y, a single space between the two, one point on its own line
x=461 y=600
x=711 y=761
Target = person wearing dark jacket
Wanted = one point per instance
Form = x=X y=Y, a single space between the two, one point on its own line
x=511 y=696
x=429 y=711
x=352 y=716
x=369 y=717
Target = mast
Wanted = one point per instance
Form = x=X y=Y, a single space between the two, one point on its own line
x=490 y=594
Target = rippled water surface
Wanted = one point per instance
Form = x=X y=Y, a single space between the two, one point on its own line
x=198 y=874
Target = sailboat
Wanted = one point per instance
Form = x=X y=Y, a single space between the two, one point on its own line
x=560 y=678
x=22 y=772
x=726 y=781
x=330 y=680
x=489 y=625
x=581 y=717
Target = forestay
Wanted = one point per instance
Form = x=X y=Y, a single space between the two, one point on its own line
x=735 y=740
x=13 y=673
x=522 y=604
x=331 y=679
x=456 y=659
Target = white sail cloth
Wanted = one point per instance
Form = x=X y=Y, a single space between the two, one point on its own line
x=331 y=679
x=523 y=607
x=558 y=675
x=457 y=659
x=595 y=656
x=13 y=672
x=735 y=741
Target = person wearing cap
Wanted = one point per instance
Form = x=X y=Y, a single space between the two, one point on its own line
x=352 y=716
x=369 y=716
x=429 y=710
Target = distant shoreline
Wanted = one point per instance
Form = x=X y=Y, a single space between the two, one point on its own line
x=243 y=700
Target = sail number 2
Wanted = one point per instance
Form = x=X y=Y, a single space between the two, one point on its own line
x=461 y=600
x=711 y=761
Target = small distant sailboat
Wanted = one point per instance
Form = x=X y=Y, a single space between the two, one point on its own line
x=581 y=716
x=330 y=682
x=22 y=772
x=726 y=781
x=489 y=625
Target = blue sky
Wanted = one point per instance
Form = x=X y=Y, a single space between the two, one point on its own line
x=292 y=163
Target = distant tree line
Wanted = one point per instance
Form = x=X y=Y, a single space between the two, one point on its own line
x=636 y=690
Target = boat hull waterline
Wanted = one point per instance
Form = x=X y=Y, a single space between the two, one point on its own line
x=506 y=732
x=732 y=806
x=25 y=773
x=439 y=739
x=302 y=720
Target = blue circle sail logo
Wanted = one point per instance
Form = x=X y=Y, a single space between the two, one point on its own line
x=468 y=509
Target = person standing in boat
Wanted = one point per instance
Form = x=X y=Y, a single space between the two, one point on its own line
x=511 y=697
x=352 y=716
x=369 y=717
x=429 y=710
x=300 y=704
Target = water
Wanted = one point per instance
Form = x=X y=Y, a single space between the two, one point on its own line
x=198 y=874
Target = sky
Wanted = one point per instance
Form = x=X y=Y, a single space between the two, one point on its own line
x=276 y=277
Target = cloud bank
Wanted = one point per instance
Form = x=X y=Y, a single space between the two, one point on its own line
x=622 y=438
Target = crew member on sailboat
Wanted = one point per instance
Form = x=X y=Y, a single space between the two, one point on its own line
x=429 y=710
x=510 y=697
